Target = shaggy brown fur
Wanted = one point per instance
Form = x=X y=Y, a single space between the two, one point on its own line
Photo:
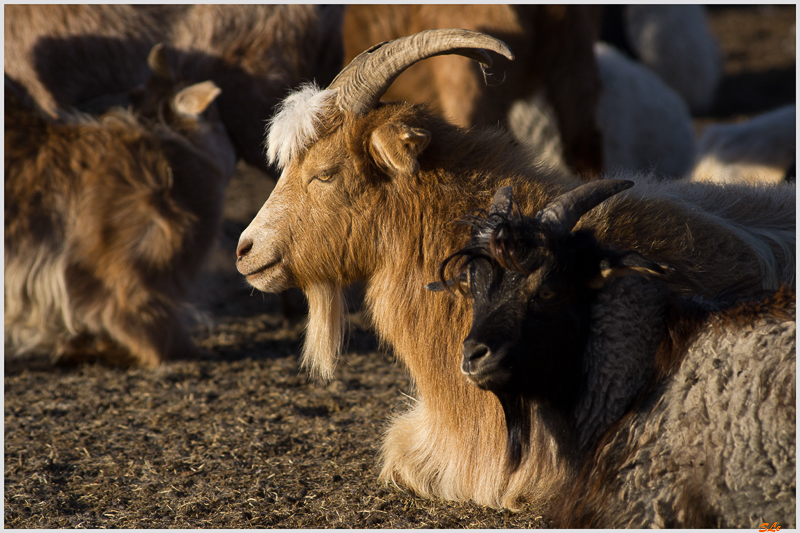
x=93 y=55
x=62 y=53
x=553 y=47
x=336 y=217
x=106 y=224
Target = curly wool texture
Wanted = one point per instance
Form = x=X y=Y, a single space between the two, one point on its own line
x=716 y=443
x=620 y=348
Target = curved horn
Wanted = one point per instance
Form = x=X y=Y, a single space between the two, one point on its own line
x=501 y=203
x=563 y=213
x=362 y=83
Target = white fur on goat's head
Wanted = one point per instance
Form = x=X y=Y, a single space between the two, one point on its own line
x=343 y=157
x=296 y=125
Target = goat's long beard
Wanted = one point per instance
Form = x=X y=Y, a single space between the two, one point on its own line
x=325 y=330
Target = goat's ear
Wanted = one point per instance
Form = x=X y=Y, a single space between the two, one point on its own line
x=627 y=264
x=196 y=98
x=395 y=148
x=435 y=286
x=438 y=286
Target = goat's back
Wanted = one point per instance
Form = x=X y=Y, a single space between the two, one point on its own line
x=714 y=445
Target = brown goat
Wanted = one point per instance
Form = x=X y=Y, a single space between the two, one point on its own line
x=93 y=55
x=554 y=52
x=256 y=54
x=369 y=191
x=107 y=222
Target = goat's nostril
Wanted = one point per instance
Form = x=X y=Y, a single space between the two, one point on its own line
x=244 y=248
x=475 y=350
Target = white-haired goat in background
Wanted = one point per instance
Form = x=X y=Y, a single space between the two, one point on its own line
x=646 y=126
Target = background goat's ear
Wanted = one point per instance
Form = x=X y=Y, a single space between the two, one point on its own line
x=196 y=98
x=627 y=264
x=395 y=148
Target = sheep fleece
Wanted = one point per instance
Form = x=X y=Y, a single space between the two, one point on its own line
x=724 y=428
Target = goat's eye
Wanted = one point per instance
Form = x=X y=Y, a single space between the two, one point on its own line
x=545 y=293
x=325 y=176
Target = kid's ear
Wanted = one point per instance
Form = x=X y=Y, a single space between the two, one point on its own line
x=395 y=148
x=438 y=286
x=627 y=264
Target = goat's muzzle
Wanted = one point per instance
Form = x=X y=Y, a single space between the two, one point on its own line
x=483 y=366
x=245 y=245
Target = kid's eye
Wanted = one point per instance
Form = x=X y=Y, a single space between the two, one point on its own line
x=545 y=293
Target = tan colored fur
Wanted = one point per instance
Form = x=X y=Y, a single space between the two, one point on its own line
x=325 y=330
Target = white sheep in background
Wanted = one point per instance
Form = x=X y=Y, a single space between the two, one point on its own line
x=646 y=126
x=676 y=42
x=759 y=150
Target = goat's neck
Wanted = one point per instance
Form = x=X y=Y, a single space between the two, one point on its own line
x=627 y=327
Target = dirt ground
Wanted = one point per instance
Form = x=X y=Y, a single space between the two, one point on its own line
x=239 y=438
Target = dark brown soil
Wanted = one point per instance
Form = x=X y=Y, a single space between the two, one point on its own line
x=239 y=438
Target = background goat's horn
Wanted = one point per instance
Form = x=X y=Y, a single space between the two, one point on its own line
x=563 y=213
x=157 y=61
x=362 y=83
